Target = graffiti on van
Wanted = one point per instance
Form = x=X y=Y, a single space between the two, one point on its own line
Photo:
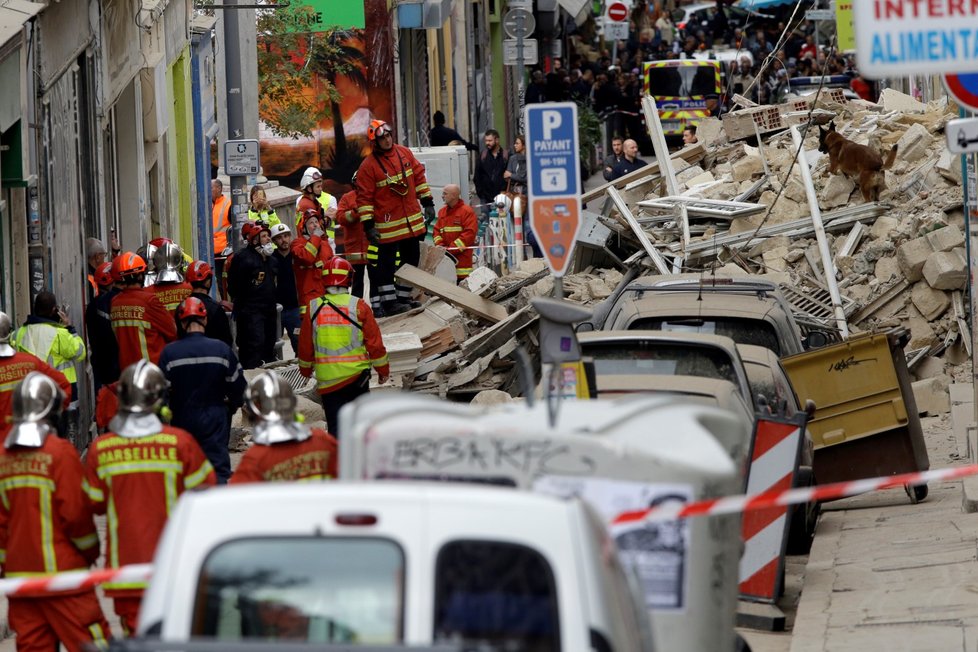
x=530 y=457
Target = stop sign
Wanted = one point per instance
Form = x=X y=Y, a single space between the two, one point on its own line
x=617 y=11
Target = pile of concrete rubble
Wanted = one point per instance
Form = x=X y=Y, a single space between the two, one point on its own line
x=738 y=206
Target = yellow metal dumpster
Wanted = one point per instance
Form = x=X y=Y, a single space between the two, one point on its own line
x=866 y=421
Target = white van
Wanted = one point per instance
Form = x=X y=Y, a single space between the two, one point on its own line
x=390 y=564
x=620 y=455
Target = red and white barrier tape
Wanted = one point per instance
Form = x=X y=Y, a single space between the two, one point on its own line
x=73 y=580
x=764 y=500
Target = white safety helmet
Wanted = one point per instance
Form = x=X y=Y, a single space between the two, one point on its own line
x=270 y=406
x=142 y=388
x=37 y=406
x=279 y=229
x=503 y=202
x=6 y=329
x=309 y=177
x=168 y=263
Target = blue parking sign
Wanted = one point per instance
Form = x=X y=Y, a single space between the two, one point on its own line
x=553 y=170
x=552 y=160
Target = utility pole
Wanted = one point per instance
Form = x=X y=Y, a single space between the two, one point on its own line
x=235 y=104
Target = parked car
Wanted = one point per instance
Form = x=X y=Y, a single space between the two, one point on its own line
x=389 y=564
x=804 y=86
x=746 y=309
x=773 y=391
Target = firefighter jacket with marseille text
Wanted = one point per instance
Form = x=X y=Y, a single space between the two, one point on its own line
x=308 y=460
x=339 y=349
x=390 y=188
x=136 y=482
x=46 y=523
x=171 y=294
x=142 y=326
x=455 y=230
x=12 y=371
x=352 y=237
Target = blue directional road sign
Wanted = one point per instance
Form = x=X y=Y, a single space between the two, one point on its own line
x=553 y=169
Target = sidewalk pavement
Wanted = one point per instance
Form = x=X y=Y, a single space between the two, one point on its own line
x=887 y=575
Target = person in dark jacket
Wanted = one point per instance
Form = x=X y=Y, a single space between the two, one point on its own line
x=630 y=163
x=489 y=169
x=440 y=135
x=206 y=385
x=200 y=275
x=103 y=349
x=286 y=294
x=251 y=284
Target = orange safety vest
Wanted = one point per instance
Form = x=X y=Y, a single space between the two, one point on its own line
x=220 y=218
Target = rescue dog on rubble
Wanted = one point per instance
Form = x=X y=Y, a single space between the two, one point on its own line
x=856 y=160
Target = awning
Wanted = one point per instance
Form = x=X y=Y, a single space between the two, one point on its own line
x=764 y=4
x=13 y=15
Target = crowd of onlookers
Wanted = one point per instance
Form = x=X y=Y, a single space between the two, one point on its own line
x=611 y=79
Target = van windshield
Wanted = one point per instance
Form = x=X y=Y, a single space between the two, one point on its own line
x=741 y=331
x=319 y=590
x=639 y=357
x=496 y=597
x=682 y=81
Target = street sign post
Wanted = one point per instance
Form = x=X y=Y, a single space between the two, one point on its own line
x=963 y=89
x=895 y=39
x=962 y=136
x=616 y=21
x=511 y=52
x=553 y=168
x=241 y=158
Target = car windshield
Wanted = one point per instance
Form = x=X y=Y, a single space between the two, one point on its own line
x=496 y=597
x=684 y=81
x=741 y=331
x=638 y=357
x=319 y=590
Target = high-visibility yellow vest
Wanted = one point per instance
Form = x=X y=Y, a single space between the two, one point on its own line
x=268 y=217
x=340 y=352
x=52 y=343
x=325 y=199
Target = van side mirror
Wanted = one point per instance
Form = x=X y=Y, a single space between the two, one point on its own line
x=815 y=340
x=810 y=408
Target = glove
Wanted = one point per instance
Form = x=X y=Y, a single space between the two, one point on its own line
x=318 y=233
x=372 y=236
x=429 y=215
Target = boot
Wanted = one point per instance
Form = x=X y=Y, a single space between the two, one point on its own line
x=379 y=312
x=392 y=308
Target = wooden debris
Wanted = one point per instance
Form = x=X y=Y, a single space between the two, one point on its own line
x=439 y=326
x=450 y=292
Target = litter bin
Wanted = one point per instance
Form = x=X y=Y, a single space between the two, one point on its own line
x=866 y=422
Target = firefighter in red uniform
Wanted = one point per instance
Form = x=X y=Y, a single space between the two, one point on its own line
x=310 y=255
x=391 y=190
x=456 y=229
x=14 y=366
x=283 y=449
x=352 y=243
x=135 y=473
x=347 y=344
x=46 y=524
x=170 y=287
x=141 y=324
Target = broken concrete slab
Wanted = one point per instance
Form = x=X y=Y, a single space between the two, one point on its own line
x=930 y=302
x=836 y=191
x=886 y=268
x=946 y=238
x=883 y=226
x=914 y=144
x=931 y=395
x=946 y=270
x=911 y=257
